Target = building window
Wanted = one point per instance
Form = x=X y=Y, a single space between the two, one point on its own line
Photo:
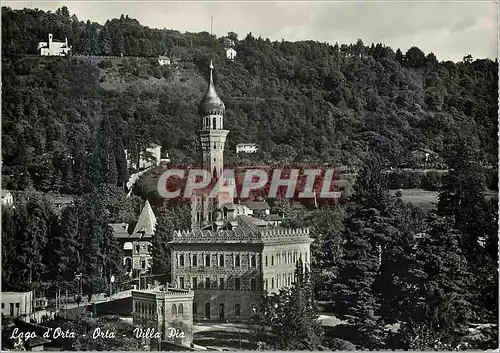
x=253 y=284
x=266 y=260
x=143 y=264
x=181 y=309
x=174 y=309
x=195 y=283
x=221 y=283
x=294 y=257
x=137 y=248
x=221 y=260
x=266 y=283
x=272 y=260
x=207 y=283
x=181 y=260
x=237 y=309
x=195 y=309
x=306 y=256
x=181 y=282
x=272 y=283
x=207 y=310
x=237 y=261
x=253 y=261
x=207 y=260
x=214 y=123
x=237 y=284
x=3 y=305
x=195 y=260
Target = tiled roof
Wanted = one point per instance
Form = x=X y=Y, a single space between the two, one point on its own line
x=147 y=221
x=257 y=205
x=273 y=217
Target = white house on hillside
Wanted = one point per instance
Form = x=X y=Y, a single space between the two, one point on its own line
x=246 y=147
x=164 y=60
x=52 y=48
x=149 y=157
x=231 y=54
x=7 y=198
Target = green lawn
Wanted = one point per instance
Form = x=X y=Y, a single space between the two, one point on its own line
x=428 y=199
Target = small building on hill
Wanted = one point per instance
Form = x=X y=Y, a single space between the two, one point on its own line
x=54 y=48
x=424 y=155
x=230 y=54
x=61 y=201
x=164 y=60
x=149 y=157
x=246 y=147
x=7 y=198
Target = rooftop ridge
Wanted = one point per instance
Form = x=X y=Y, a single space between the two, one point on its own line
x=279 y=232
x=237 y=234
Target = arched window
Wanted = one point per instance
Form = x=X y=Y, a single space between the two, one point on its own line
x=207 y=122
x=181 y=260
x=207 y=260
x=237 y=261
x=195 y=260
x=181 y=309
x=237 y=309
x=174 y=309
x=272 y=260
x=215 y=123
x=221 y=260
x=266 y=260
x=253 y=262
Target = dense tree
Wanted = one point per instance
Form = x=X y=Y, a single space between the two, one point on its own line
x=367 y=231
x=169 y=219
x=445 y=308
x=289 y=319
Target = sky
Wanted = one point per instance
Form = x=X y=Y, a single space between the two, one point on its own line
x=449 y=29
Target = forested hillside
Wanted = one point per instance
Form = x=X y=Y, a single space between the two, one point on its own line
x=66 y=121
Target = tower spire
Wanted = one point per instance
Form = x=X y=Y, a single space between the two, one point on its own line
x=211 y=75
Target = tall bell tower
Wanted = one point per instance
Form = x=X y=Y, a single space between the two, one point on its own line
x=212 y=134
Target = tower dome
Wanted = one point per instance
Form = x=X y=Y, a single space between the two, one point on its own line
x=211 y=101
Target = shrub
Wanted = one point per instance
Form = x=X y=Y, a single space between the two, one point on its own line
x=431 y=181
x=492 y=179
x=105 y=64
x=399 y=193
x=339 y=344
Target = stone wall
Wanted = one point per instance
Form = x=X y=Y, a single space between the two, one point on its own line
x=246 y=300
